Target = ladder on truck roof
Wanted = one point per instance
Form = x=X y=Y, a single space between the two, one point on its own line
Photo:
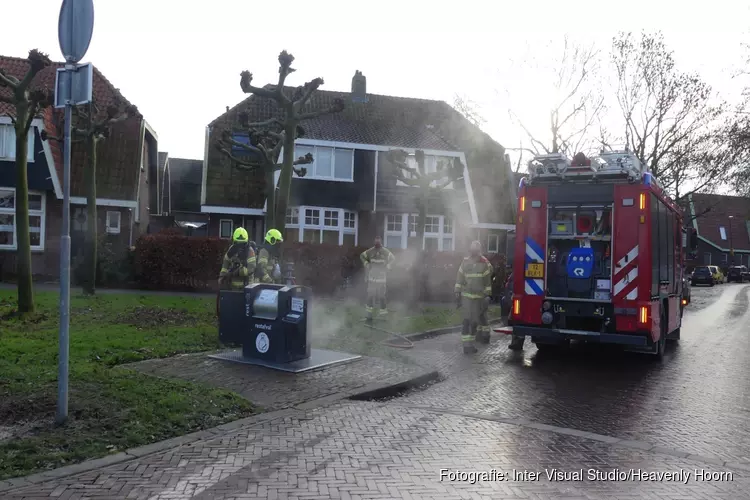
x=608 y=166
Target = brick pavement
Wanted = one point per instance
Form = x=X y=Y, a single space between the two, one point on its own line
x=273 y=389
x=697 y=400
x=365 y=450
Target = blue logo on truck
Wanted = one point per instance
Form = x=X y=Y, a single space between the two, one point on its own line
x=580 y=263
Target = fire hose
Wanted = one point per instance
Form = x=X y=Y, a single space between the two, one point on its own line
x=407 y=344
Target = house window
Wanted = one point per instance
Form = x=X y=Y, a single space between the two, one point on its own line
x=113 y=222
x=493 y=243
x=707 y=258
x=431 y=165
x=724 y=258
x=37 y=207
x=333 y=164
x=401 y=229
x=226 y=226
x=8 y=143
x=723 y=232
x=292 y=216
x=350 y=219
x=323 y=225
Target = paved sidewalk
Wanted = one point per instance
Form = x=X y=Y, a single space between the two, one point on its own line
x=376 y=450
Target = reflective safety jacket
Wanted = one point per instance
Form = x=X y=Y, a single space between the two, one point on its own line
x=267 y=260
x=378 y=261
x=238 y=265
x=474 y=280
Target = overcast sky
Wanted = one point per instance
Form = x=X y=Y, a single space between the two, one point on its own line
x=179 y=62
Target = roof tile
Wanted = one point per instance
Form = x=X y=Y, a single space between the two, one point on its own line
x=713 y=212
x=385 y=121
x=118 y=157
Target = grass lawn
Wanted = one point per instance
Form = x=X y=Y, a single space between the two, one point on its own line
x=111 y=408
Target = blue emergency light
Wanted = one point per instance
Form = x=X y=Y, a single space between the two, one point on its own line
x=647 y=178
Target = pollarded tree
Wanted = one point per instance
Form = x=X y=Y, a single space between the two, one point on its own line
x=267 y=138
x=27 y=102
x=91 y=126
x=426 y=184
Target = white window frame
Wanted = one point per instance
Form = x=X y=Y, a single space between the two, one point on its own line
x=431 y=162
x=113 y=230
x=723 y=233
x=301 y=226
x=231 y=230
x=496 y=238
x=8 y=137
x=42 y=214
x=311 y=168
x=406 y=232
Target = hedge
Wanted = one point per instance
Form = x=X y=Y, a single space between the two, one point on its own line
x=175 y=262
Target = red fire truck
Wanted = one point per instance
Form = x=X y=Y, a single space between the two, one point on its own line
x=599 y=254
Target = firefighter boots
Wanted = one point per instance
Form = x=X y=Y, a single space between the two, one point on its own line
x=467 y=339
x=516 y=343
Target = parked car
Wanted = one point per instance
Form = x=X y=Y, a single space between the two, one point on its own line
x=703 y=275
x=717 y=274
x=738 y=273
x=686 y=290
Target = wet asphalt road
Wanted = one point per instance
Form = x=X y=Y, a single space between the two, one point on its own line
x=697 y=399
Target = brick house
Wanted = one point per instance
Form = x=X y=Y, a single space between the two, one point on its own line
x=723 y=225
x=127 y=178
x=348 y=196
x=181 y=198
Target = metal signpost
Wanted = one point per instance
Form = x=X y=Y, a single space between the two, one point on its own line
x=73 y=87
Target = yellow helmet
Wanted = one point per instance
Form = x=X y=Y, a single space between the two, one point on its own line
x=273 y=236
x=240 y=235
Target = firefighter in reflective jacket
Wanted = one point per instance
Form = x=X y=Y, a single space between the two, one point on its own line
x=377 y=261
x=473 y=290
x=239 y=262
x=268 y=270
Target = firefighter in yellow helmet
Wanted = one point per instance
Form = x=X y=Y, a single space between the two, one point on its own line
x=473 y=290
x=268 y=270
x=377 y=261
x=239 y=262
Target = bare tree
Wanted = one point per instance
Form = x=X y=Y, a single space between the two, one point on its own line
x=91 y=126
x=267 y=138
x=469 y=109
x=577 y=103
x=426 y=184
x=669 y=120
x=27 y=102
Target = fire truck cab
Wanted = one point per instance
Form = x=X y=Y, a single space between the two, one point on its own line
x=599 y=254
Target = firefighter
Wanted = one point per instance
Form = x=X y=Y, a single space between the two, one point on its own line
x=377 y=261
x=239 y=262
x=268 y=270
x=473 y=290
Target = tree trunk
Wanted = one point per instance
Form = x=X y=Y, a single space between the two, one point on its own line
x=270 y=199
x=90 y=261
x=285 y=176
x=23 y=238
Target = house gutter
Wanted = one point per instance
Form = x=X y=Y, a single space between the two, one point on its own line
x=375 y=186
x=136 y=214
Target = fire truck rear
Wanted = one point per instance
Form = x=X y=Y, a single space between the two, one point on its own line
x=599 y=254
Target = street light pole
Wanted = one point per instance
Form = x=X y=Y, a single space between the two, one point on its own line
x=731 y=245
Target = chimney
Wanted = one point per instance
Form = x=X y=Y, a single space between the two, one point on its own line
x=359 y=87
